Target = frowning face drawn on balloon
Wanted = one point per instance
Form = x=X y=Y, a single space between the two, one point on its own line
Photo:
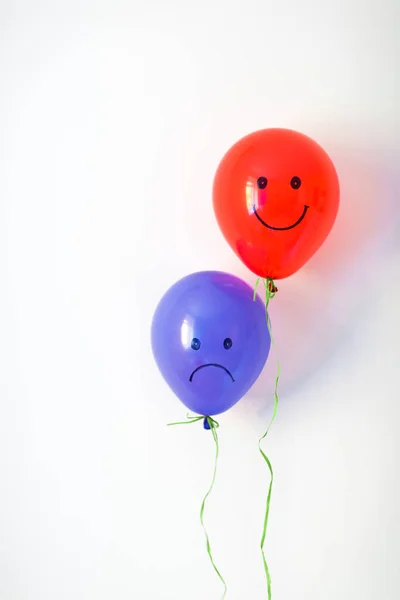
x=276 y=196
x=196 y=345
x=210 y=340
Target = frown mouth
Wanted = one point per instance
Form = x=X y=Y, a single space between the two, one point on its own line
x=299 y=220
x=212 y=365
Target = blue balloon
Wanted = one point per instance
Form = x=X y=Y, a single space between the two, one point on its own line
x=210 y=340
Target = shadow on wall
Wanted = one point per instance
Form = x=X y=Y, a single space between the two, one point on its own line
x=317 y=311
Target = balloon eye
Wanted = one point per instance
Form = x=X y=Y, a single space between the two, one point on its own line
x=262 y=182
x=195 y=343
x=295 y=182
x=227 y=343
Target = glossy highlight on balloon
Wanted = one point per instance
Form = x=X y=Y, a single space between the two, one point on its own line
x=276 y=197
x=210 y=340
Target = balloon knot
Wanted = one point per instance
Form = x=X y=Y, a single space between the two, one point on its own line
x=210 y=423
x=270 y=286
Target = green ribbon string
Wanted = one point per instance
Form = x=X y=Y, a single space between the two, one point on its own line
x=270 y=291
x=213 y=425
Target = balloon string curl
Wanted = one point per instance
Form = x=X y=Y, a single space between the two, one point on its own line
x=270 y=292
x=209 y=424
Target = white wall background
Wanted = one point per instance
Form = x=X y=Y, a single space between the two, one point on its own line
x=113 y=117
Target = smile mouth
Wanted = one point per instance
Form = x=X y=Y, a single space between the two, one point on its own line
x=212 y=365
x=299 y=220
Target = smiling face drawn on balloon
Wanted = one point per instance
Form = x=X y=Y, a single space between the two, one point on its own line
x=210 y=340
x=276 y=196
x=262 y=183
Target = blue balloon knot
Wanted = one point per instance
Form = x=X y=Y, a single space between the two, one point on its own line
x=206 y=424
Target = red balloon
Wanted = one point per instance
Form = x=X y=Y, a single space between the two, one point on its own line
x=276 y=197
